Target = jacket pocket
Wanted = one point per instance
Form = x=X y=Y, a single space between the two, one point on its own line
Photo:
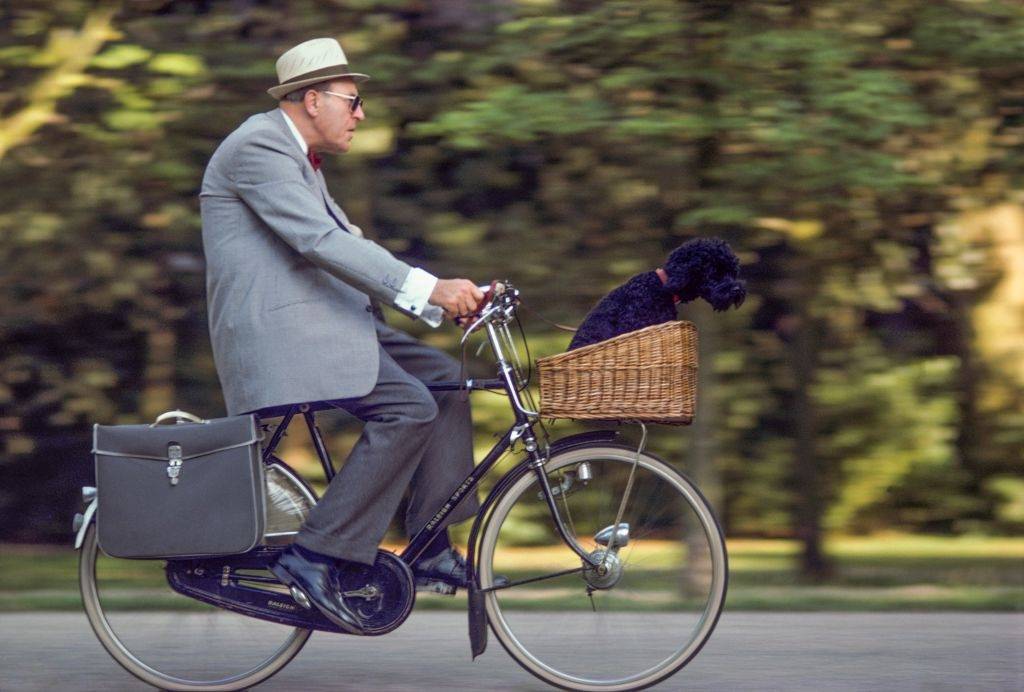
x=300 y=283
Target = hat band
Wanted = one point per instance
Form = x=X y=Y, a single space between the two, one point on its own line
x=332 y=71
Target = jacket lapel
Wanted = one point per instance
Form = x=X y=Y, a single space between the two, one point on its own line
x=335 y=211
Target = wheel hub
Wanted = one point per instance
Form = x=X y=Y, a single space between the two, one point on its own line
x=606 y=573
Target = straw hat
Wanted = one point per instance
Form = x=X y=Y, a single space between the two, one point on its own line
x=316 y=60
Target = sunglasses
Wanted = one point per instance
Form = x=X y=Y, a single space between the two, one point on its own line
x=357 y=101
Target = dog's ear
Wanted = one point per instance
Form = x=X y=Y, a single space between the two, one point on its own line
x=686 y=268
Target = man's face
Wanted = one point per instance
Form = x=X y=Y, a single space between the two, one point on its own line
x=336 y=121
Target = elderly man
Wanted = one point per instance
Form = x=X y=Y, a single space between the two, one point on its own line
x=291 y=289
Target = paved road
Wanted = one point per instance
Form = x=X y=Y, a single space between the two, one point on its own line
x=749 y=651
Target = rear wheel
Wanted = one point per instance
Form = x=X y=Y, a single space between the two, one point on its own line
x=644 y=612
x=171 y=641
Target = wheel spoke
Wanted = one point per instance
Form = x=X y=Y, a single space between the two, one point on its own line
x=171 y=641
x=630 y=623
x=531 y=580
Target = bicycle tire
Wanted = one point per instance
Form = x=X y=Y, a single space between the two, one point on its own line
x=571 y=652
x=163 y=651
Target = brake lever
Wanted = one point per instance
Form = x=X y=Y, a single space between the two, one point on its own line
x=478 y=323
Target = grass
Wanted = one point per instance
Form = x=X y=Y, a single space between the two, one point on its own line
x=892 y=572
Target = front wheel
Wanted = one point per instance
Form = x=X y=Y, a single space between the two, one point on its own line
x=650 y=605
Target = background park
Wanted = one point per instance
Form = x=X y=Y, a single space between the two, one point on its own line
x=860 y=429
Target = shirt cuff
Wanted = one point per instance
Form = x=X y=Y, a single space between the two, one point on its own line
x=414 y=294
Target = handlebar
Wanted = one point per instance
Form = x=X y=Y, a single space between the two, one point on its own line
x=495 y=312
x=489 y=291
x=500 y=297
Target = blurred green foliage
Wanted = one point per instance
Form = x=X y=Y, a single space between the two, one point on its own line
x=893 y=572
x=862 y=158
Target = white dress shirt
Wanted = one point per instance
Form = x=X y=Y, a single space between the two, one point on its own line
x=418 y=284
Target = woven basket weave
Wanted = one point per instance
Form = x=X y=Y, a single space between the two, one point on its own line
x=648 y=375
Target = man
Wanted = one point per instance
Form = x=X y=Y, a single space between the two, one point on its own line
x=290 y=285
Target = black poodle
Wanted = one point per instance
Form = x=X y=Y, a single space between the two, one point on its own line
x=700 y=268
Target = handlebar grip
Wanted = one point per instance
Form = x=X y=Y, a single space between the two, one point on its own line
x=491 y=290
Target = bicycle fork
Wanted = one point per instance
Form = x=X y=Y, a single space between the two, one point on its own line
x=537 y=462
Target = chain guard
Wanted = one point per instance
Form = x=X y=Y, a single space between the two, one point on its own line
x=382 y=594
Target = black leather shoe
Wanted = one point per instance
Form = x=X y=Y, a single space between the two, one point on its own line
x=445 y=572
x=313 y=582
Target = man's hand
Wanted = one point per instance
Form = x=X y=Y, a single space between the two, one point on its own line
x=456 y=296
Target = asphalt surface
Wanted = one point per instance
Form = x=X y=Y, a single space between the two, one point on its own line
x=749 y=651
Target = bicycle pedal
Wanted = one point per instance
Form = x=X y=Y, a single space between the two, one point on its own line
x=435 y=586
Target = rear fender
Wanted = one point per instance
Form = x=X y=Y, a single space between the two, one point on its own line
x=87 y=518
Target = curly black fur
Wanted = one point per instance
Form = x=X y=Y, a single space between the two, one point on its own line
x=701 y=268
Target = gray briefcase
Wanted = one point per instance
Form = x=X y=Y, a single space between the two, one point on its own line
x=184 y=490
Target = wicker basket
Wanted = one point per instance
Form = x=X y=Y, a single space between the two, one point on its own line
x=648 y=375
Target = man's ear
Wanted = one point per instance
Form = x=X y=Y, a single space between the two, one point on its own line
x=312 y=103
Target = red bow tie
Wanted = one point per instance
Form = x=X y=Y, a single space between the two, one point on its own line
x=313 y=159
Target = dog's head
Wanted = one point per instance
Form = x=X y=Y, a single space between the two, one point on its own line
x=705 y=268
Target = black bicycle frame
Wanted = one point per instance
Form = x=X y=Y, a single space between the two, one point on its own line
x=522 y=428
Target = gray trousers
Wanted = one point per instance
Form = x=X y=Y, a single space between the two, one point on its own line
x=411 y=438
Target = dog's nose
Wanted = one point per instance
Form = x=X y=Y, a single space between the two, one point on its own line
x=739 y=293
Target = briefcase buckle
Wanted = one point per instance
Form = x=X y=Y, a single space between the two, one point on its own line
x=173 y=462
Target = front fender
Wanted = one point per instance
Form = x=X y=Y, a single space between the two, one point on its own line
x=477 y=615
x=556 y=447
x=585 y=438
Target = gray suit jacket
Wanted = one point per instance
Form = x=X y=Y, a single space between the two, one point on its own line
x=288 y=278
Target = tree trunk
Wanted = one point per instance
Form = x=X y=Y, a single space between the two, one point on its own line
x=810 y=505
x=702 y=451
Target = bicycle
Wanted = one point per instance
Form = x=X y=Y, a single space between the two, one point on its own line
x=616 y=565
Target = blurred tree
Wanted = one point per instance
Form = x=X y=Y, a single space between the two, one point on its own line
x=791 y=127
x=67 y=53
x=859 y=156
x=92 y=242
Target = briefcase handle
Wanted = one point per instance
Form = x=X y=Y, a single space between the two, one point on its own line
x=181 y=417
